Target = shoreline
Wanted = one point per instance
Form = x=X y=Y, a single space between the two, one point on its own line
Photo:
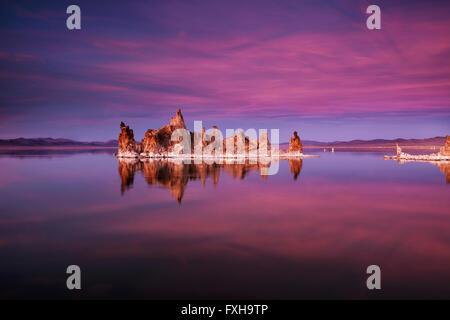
x=419 y=158
x=54 y=147
x=209 y=157
x=442 y=155
x=371 y=147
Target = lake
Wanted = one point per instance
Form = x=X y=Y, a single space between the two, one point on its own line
x=165 y=230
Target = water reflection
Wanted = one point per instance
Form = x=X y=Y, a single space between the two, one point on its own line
x=52 y=152
x=443 y=165
x=445 y=169
x=295 y=166
x=254 y=239
x=174 y=174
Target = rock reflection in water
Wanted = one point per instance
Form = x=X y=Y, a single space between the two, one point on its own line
x=443 y=165
x=295 y=166
x=445 y=169
x=174 y=174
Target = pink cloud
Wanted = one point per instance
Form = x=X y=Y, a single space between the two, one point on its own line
x=300 y=73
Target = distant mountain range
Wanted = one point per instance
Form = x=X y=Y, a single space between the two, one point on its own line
x=436 y=141
x=376 y=143
x=50 y=142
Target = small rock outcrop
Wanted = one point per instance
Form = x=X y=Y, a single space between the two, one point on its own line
x=128 y=147
x=264 y=145
x=155 y=142
x=445 y=150
x=198 y=142
x=442 y=155
x=295 y=145
x=398 y=150
x=158 y=142
x=238 y=143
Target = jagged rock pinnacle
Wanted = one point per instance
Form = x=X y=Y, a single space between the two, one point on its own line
x=177 y=122
x=445 y=150
x=295 y=145
x=126 y=143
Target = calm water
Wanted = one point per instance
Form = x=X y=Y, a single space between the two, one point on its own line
x=163 y=230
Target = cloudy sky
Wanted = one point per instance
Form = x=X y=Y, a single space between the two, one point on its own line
x=311 y=65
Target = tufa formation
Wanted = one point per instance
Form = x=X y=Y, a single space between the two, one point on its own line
x=295 y=145
x=127 y=146
x=445 y=150
x=158 y=143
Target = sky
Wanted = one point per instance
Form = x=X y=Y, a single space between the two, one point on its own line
x=311 y=66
